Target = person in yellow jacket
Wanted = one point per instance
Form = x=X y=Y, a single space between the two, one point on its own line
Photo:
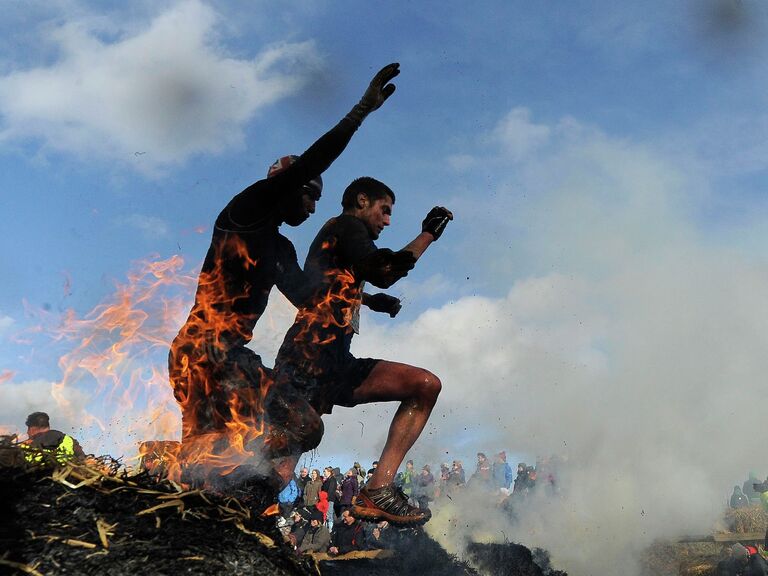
x=42 y=441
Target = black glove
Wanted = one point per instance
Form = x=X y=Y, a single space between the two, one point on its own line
x=436 y=221
x=383 y=303
x=383 y=267
x=378 y=91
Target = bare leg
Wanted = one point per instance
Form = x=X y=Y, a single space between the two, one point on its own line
x=417 y=390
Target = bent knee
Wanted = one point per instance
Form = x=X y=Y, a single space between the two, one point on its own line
x=312 y=433
x=429 y=385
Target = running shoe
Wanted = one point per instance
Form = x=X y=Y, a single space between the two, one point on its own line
x=388 y=503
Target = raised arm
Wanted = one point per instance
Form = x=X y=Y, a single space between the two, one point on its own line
x=383 y=267
x=318 y=157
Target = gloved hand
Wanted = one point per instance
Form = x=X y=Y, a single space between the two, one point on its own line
x=383 y=303
x=436 y=221
x=383 y=267
x=378 y=91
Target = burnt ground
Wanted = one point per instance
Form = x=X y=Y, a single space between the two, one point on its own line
x=85 y=521
x=79 y=521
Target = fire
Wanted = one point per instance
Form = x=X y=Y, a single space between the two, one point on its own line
x=221 y=427
x=273 y=510
x=113 y=360
x=318 y=325
x=116 y=364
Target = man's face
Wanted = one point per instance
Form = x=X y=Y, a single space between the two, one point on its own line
x=347 y=517
x=376 y=215
x=299 y=207
x=409 y=465
x=304 y=472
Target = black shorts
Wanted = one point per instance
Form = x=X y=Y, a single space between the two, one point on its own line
x=327 y=388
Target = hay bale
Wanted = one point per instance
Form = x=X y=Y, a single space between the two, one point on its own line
x=750 y=519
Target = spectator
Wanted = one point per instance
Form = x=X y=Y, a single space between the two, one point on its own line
x=424 y=489
x=339 y=478
x=373 y=467
x=360 y=473
x=323 y=505
x=749 y=488
x=482 y=476
x=301 y=482
x=738 y=499
x=300 y=517
x=531 y=476
x=743 y=561
x=521 y=480
x=317 y=538
x=287 y=497
x=380 y=536
x=442 y=483
x=406 y=480
x=456 y=478
x=312 y=489
x=42 y=441
x=329 y=487
x=349 y=489
x=348 y=535
x=502 y=472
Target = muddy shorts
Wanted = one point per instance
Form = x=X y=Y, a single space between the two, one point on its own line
x=324 y=389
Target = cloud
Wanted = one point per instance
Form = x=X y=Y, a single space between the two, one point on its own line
x=5 y=323
x=151 y=227
x=150 y=98
x=17 y=400
x=624 y=339
x=518 y=135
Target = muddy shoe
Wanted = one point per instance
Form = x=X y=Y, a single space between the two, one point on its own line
x=390 y=504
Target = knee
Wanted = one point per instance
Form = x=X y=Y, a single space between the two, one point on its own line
x=311 y=433
x=429 y=386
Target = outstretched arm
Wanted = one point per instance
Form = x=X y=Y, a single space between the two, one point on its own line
x=318 y=157
x=431 y=229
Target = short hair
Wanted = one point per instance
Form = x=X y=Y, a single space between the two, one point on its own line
x=371 y=187
x=38 y=420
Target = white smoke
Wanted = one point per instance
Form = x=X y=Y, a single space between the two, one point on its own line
x=628 y=342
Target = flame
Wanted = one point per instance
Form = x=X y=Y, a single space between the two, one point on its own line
x=220 y=430
x=330 y=315
x=273 y=510
x=118 y=354
x=114 y=356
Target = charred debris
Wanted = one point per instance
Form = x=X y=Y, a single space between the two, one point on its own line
x=98 y=519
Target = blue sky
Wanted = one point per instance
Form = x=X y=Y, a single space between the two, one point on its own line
x=601 y=290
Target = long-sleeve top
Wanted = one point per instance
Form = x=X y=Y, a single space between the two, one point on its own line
x=312 y=492
x=316 y=540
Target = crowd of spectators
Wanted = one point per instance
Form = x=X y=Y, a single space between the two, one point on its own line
x=317 y=514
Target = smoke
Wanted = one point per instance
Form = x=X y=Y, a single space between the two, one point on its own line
x=627 y=342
